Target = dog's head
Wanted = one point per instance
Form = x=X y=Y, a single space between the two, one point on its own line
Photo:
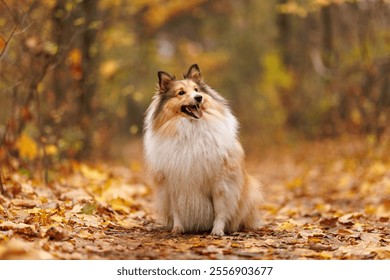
x=183 y=97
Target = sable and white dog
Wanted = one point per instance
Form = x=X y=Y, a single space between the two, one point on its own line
x=196 y=160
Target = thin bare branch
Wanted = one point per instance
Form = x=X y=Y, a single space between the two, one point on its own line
x=9 y=10
x=2 y=191
x=6 y=43
x=8 y=40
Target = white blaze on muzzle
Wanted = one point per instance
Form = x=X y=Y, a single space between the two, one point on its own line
x=193 y=110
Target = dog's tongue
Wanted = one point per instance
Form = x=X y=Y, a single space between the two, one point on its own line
x=195 y=110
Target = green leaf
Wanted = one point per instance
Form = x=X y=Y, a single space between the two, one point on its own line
x=88 y=209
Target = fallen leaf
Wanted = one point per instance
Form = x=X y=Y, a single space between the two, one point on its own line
x=88 y=208
x=288 y=226
x=17 y=249
x=28 y=203
x=329 y=222
x=20 y=228
x=320 y=247
x=57 y=233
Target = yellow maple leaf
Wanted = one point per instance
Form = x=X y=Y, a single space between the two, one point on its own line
x=92 y=173
x=314 y=239
x=27 y=147
x=288 y=226
x=119 y=204
x=325 y=256
x=295 y=183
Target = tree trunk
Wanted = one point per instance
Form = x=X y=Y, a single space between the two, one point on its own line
x=283 y=24
x=88 y=81
x=61 y=33
x=327 y=38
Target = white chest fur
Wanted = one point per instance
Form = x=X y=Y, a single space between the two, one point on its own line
x=196 y=150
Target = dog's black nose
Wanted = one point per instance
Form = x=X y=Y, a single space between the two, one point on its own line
x=198 y=98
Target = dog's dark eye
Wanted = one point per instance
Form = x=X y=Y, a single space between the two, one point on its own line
x=182 y=92
x=196 y=89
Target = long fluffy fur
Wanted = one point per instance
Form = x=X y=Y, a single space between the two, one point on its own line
x=198 y=164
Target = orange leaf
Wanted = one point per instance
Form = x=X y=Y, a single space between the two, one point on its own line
x=2 y=44
x=75 y=58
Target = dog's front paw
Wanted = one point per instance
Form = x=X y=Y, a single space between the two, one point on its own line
x=178 y=230
x=217 y=232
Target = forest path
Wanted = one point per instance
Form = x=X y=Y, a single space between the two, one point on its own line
x=328 y=200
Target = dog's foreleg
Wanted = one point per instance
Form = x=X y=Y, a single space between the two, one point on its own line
x=225 y=205
x=163 y=200
x=177 y=226
x=176 y=206
x=164 y=207
x=219 y=218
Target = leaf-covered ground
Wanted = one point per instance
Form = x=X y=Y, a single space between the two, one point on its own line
x=328 y=200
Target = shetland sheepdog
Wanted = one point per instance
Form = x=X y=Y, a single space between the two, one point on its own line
x=195 y=159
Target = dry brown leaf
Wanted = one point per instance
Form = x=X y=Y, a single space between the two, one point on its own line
x=57 y=233
x=329 y=222
x=20 y=228
x=18 y=249
x=332 y=209
x=28 y=203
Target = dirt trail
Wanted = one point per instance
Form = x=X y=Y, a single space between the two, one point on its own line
x=328 y=200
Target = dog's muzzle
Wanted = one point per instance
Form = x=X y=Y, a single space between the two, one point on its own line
x=193 y=110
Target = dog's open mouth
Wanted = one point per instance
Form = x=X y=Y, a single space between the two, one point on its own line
x=192 y=110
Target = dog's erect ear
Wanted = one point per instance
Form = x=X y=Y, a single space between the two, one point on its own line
x=165 y=80
x=193 y=73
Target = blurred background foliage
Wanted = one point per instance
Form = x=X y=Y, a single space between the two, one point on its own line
x=77 y=75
